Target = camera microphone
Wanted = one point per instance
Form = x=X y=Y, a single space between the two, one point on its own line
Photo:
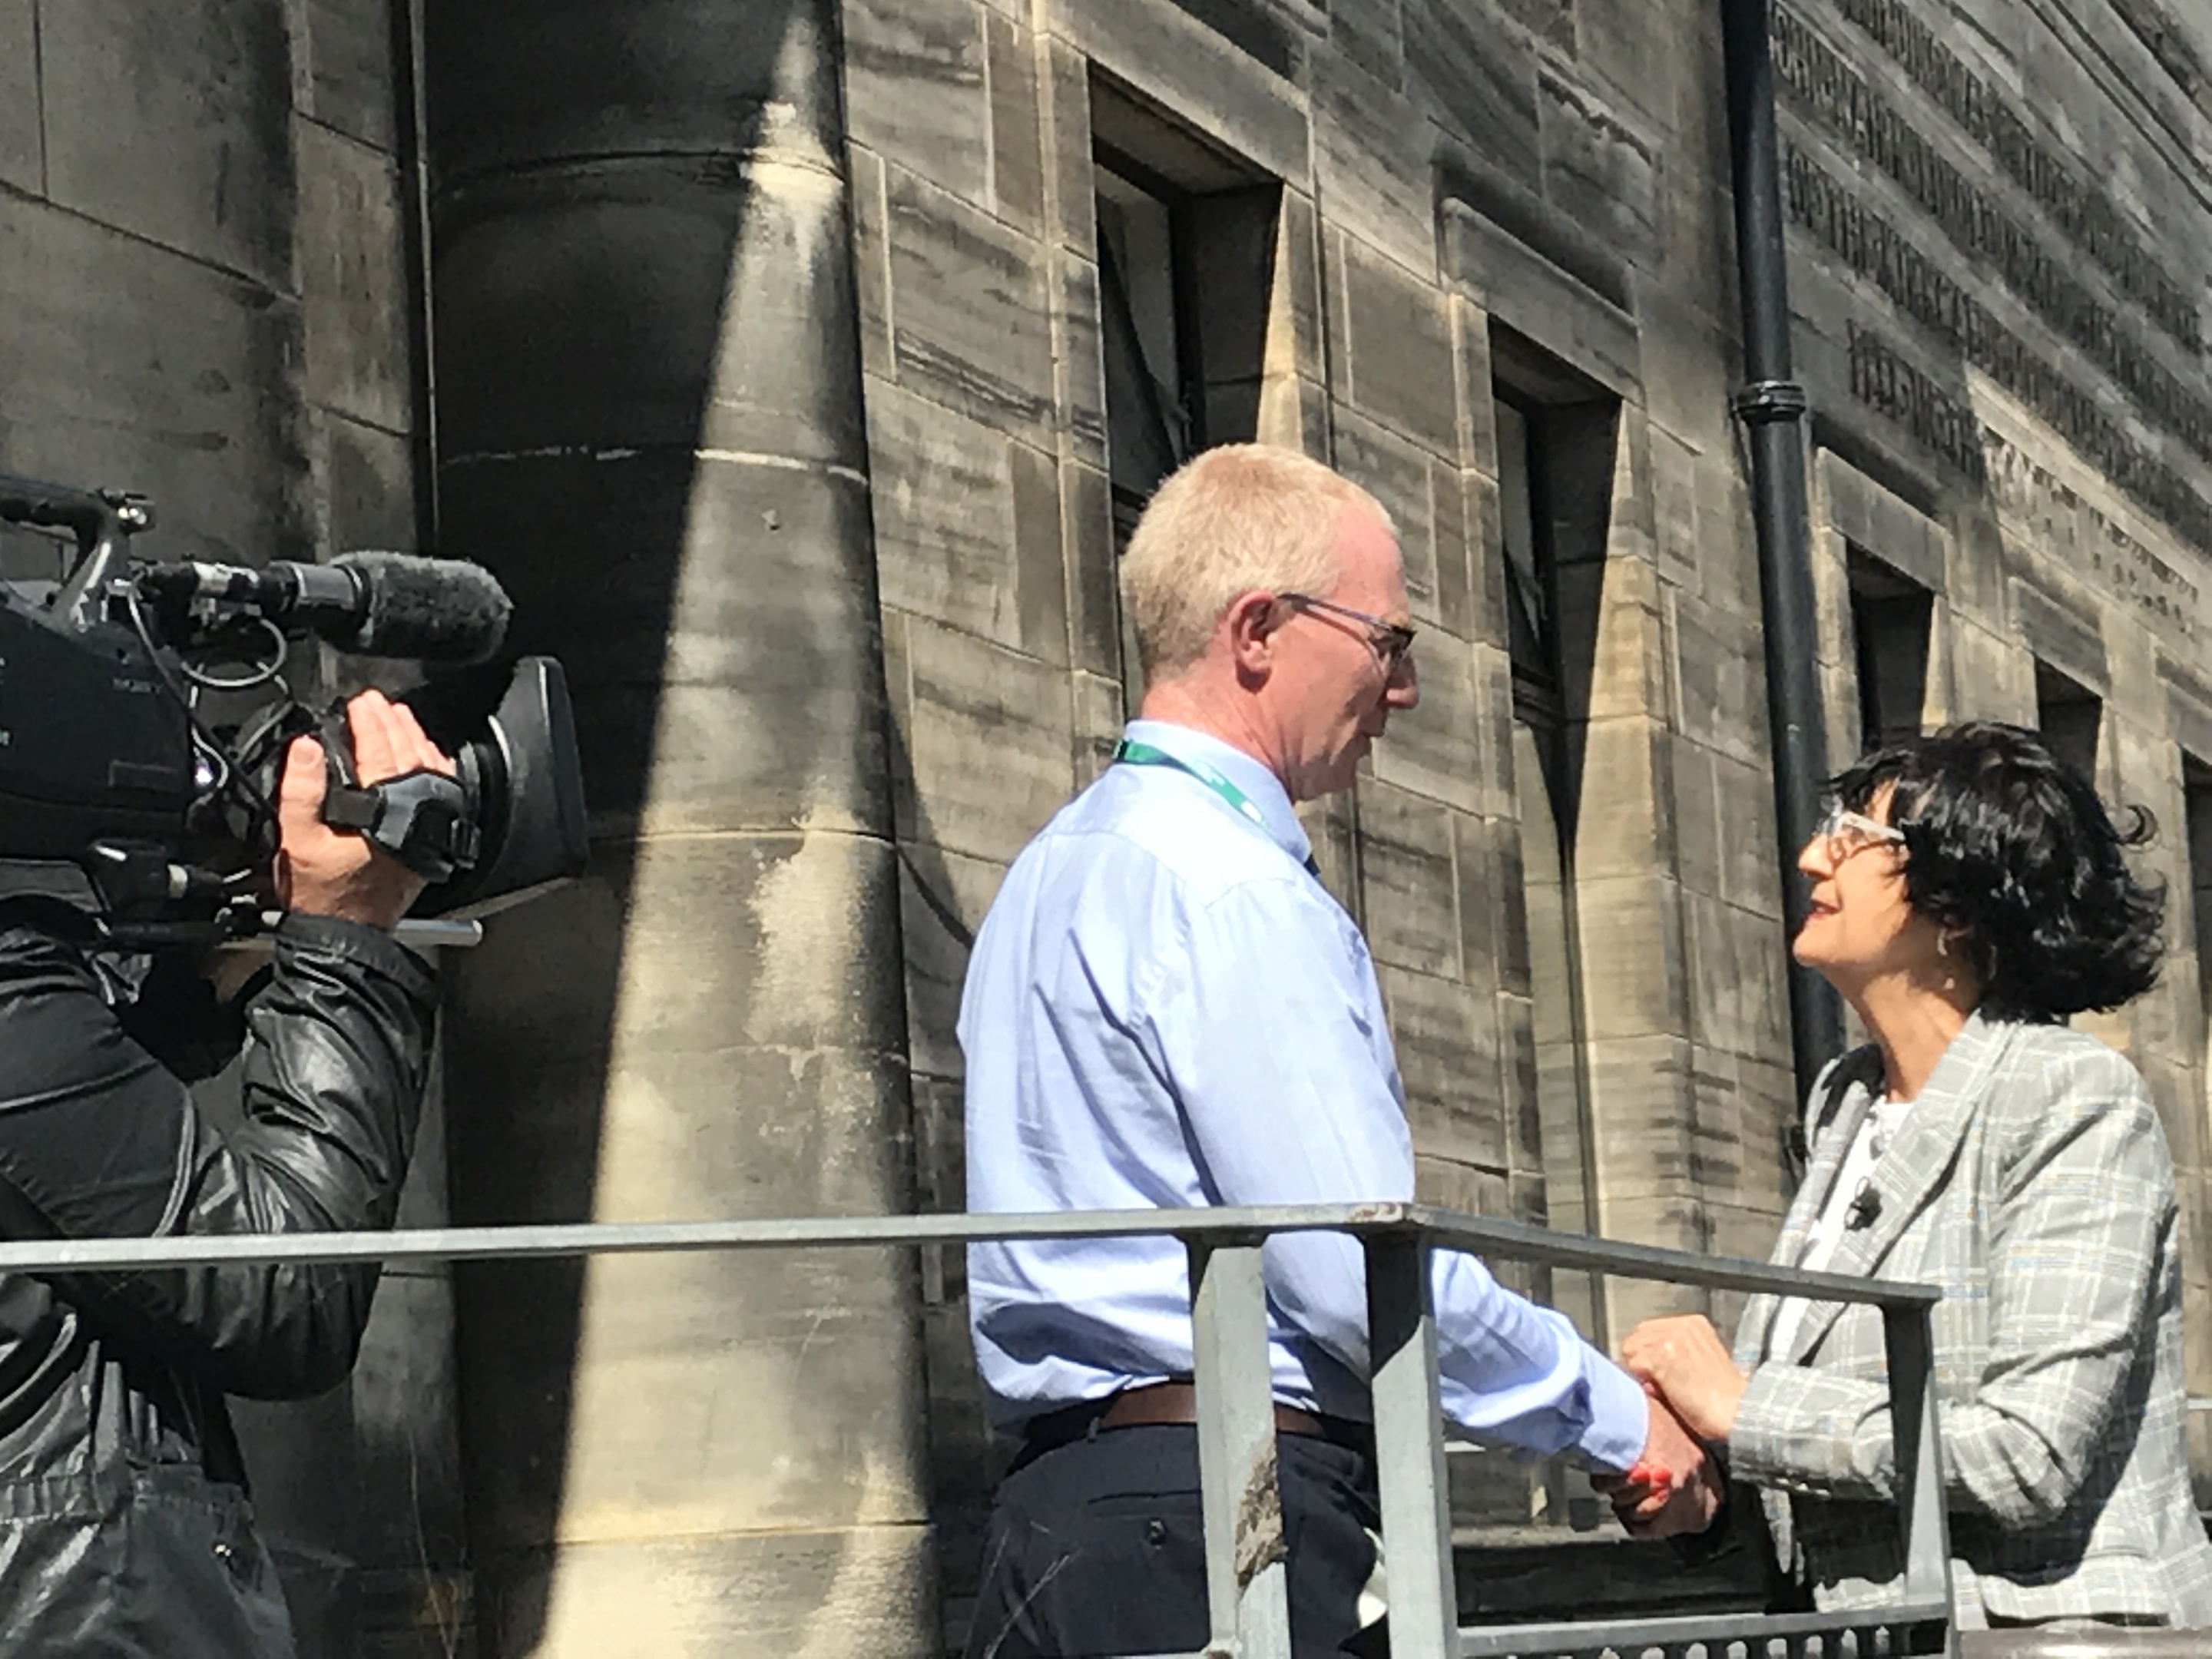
x=440 y=610
x=383 y=604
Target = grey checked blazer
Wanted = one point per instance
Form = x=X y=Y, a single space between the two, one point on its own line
x=2031 y=1180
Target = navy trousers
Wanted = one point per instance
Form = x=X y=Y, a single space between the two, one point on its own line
x=1095 y=1549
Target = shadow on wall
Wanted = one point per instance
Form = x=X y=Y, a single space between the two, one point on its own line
x=650 y=426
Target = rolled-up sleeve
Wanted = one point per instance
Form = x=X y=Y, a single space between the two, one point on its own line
x=1270 y=1034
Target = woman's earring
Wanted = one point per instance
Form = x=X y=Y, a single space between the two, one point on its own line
x=1943 y=942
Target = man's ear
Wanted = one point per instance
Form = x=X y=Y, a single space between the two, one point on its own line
x=1250 y=623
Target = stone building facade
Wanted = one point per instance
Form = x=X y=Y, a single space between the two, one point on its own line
x=1480 y=257
x=800 y=365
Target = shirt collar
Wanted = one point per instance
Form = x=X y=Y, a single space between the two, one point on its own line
x=1262 y=787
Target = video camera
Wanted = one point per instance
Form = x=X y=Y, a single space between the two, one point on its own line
x=144 y=718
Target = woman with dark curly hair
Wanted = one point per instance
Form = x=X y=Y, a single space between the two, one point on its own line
x=1970 y=892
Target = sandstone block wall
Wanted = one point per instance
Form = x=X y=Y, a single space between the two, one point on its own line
x=1532 y=194
x=1999 y=213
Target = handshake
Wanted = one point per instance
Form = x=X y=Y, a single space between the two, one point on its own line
x=1675 y=1487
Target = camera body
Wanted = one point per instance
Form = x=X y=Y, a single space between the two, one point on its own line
x=140 y=785
x=92 y=747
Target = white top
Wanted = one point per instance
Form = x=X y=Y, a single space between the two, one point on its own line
x=1877 y=1129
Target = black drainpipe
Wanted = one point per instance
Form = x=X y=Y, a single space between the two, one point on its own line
x=1771 y=406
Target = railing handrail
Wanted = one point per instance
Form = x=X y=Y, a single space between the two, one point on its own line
x=1449 y=1229
x=1245 y=1555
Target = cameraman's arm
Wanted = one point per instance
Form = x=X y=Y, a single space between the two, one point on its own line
x=100 y=1141
x=97 y=1141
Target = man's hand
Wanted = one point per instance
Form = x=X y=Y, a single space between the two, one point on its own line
x=1672 y=1488
x=324 y=872
x=1681 y=1357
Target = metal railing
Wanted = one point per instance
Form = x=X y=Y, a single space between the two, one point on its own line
x=2116 y=1643
x=1246 y=1550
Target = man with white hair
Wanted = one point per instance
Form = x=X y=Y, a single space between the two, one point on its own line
x=1166 y=1008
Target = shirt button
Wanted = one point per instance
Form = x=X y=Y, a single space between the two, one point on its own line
x=1156 y=1532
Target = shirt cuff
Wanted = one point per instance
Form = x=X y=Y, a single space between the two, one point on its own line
x=1620 y=1418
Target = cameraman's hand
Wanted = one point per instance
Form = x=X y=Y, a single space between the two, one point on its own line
x=338 y=873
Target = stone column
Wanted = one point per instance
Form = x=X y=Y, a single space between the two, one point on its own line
x=650 y=424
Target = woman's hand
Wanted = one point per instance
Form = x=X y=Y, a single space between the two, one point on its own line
x=1682 y=1359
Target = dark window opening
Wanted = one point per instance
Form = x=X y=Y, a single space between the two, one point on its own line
x=2070 y=716
x=1149 y=347
x=1531 y=605
x=1186 y=264
x=1555 y=490
x=2196 y=824
x=1554 y=484
x=1556 y=438
x=1891 y=615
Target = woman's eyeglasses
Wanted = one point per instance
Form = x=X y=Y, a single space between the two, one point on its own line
x=1391 y=642
x=1843 y=832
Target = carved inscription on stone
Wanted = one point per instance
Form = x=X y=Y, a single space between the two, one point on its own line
x=1822 y=87
x=2081 y=208
x=2031 y=492
x=1826 y=208
x=1885 y=381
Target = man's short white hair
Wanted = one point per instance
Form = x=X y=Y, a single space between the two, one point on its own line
x=1230 y=520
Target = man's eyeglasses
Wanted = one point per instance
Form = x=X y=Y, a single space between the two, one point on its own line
x=1843 y=832
x=1391 y=642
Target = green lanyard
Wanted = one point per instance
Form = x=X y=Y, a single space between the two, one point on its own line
x=1129 y=752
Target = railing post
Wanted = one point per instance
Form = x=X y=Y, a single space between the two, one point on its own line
x=1409 y=1449
x=1246 y=1584
x=1921 y=1511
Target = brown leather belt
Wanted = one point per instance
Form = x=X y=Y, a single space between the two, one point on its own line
x=1177 y=1402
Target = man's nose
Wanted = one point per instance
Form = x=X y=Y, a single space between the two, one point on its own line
x=1404 y=690
x=1813 y=858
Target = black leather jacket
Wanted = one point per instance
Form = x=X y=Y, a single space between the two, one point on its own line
x=124 y=1529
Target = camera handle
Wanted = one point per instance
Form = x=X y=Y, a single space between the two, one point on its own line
x=421 y=817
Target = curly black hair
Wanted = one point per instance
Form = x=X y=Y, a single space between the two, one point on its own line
x=2008 y=842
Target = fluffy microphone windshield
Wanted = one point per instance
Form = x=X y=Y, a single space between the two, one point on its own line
x=435 y=610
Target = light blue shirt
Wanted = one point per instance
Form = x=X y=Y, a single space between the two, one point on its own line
x=1165 y=1008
